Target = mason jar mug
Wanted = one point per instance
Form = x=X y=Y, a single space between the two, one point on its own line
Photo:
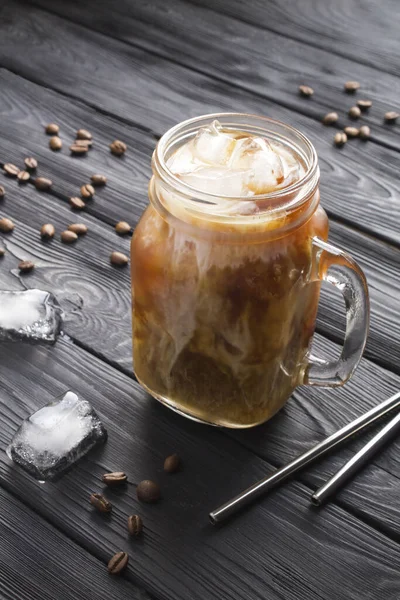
x=225 y=289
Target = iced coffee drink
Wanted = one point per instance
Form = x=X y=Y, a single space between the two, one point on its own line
x=224 y=297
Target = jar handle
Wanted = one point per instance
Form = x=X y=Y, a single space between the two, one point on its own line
x=338 y=268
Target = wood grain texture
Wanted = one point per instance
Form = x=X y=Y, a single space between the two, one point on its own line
x=271 y=552
x=246 y=55
x=359 y=183
x=40 y=563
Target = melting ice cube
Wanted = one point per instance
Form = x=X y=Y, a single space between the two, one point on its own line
x=215 y=180
x=33 y=315
x=265 y=164
x=212 y=146
x=53 y=438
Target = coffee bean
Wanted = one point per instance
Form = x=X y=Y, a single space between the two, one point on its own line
x=351 y=132
x=148 y=491
x=77 y=203
x=43 y=184
x=2 y=192
x=391 y=116
x=354 y=112
x=172 y=463
x=351 y=86
x=114 y=478
x=118 y=563
x=78 y=228
x=98 y=179
x=52 y=129
x=84 y=143
x=83 y=134
x=119 y=259
x=340 y=138
x=75 y=149
x=6 y=225
x=68 y=237
x=135 y=525
x=364 y=104
x=55 y=143
x=118 y=148
x=305 y=91
x=23 y=176
x=2 y=252
x=31 y=163
x=11 y=170
x=87 y=191
x=101 y=503
x=47 y=231
x=122 y=228
x=330 y=118
x=25 y=266
x=364 y=132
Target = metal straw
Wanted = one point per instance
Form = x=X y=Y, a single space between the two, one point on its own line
x=255 y=491
x=355 y=463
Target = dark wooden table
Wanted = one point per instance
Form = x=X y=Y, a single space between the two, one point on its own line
x=130 y=70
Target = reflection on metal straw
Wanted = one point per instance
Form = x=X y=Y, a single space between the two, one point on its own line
x=355 y=463
x=255 y=491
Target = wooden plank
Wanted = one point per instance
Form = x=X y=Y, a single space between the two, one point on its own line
x=40 y=563
x=239 y=51
x=271 y=552
x=359 y=183
x=82 y=271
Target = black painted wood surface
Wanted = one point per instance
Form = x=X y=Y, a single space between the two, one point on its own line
x=130 y=71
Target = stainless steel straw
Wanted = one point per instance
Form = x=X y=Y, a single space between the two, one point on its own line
x=255 y=491
x=355 y=463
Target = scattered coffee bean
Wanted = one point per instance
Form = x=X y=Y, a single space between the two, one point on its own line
x=122 y=228
x=135 y=525
x=351 y=132
x=31 y=163
x=11 y=170
x=118 y=563
x=47 y=231
x=68 y=237
x=119 y=259
x=6 y=225
x=364 y=104
x=330 y=118
x=305 y=91
x=87 y=191
x=354 y=112
x=148 y=491
x=77 y=203
x=2 y=192
x=391 y=116
x=55 y=143
x=75 y=149
x=101 y=503
x=172 y=463
x=83 y=134
x=25 y=266
x=340 y=138
x=43 y=184
x=114 y=478
x=78 y=228
x=365 y=132
x=52 y=129
x=98 y=179
x=2 y=252
x=351 y=86
x=23 y=176
x=118 y=148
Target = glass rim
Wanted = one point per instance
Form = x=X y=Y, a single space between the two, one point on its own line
x=181 y=187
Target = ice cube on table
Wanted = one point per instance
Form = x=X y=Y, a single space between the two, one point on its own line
x=32 y=315
x=52 y=439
